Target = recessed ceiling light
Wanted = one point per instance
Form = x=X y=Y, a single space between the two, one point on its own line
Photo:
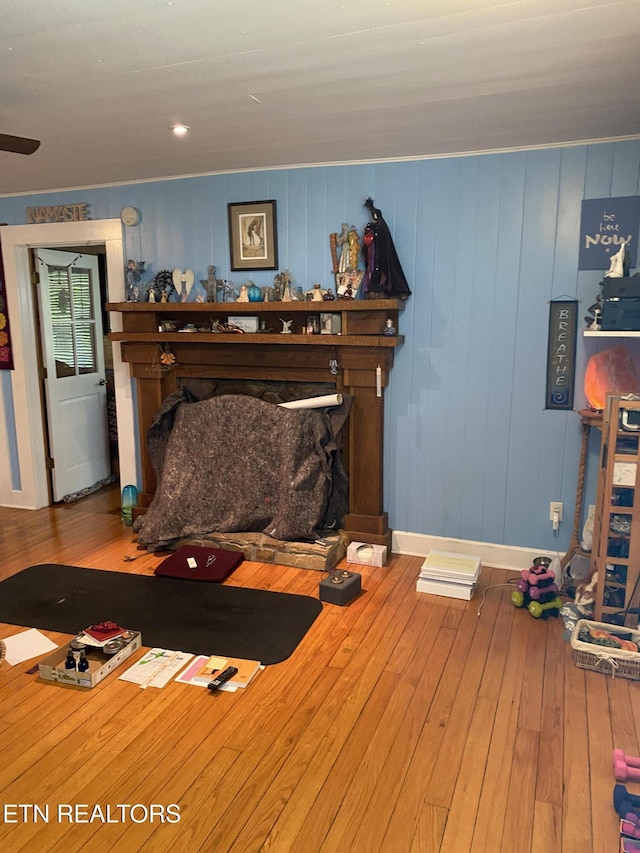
x=180 y=129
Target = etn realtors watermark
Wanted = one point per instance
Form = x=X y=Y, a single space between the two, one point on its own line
x=88 y=813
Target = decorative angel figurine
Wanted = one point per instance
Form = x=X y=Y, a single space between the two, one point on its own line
x=282 y=286
x=134 y=272
x=286 y=326
x=182 y=280
x=343 y=241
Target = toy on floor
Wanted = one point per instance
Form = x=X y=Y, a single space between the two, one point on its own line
x=631 y=760
x=625 y=767
x=625 y=803
x=537 y=590
x=608 y=639
x=630 y=828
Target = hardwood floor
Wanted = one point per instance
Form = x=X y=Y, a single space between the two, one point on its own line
x=403 y=723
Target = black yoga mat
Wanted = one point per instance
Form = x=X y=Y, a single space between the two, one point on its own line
x=182 y=615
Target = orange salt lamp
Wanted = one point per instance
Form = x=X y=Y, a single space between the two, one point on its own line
x=611 y=371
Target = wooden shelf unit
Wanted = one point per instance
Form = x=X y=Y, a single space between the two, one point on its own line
x=363 y=321
x=356 y=362
x=616 y=538
x=598 y=333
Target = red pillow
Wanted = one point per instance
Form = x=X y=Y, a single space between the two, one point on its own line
x=194 y=563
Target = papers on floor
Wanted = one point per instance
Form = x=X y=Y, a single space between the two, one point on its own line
x=26 y=645
x=156 y=668
x=451 y=575
x=204 y=669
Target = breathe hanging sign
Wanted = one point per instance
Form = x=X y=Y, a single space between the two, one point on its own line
x=561 y=353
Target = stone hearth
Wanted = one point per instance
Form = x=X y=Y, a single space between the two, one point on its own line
x=261 y=548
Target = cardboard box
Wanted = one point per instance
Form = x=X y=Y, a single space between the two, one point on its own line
x=366 y=554
x=100 y=665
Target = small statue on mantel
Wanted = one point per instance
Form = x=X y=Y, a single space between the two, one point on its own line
x=595 y=326
x=286 y=326
x=134 y=273
x=282 y=286
x=349 y=243
x=594 y=313
x=211 y=284
x=184 y=281
x=348 y=283
x=163 y=286
x=316 y=294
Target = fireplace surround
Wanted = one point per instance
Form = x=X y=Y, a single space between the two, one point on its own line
x=357 y=362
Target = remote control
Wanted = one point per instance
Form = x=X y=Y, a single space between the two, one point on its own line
x=225 y=675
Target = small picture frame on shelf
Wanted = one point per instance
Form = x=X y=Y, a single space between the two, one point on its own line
x=253 y=240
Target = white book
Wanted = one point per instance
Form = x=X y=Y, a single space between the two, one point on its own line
x=460 y=568
x=449 y=579
x=449 y=590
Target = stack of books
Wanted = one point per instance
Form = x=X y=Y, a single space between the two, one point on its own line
x=452 y=575
x=204 y=668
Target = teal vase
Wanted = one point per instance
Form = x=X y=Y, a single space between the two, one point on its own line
x=255 y=293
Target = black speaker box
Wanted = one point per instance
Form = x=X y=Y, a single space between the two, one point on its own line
x=625 y=287
x=340 y=587
x=620 y=315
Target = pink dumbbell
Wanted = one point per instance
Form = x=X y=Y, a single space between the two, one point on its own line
x=539 y=577
x=629 y=760
x=624 y=773
x=536 y=592
x=630 y=829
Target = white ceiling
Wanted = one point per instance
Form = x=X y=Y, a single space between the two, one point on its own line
x=292 y=82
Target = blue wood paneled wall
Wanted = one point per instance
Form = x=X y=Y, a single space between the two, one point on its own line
x=486 y=241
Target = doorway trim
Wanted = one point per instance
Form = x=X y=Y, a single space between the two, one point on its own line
x=27 y=441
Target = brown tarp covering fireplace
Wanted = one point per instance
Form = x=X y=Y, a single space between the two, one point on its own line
x=235 y=463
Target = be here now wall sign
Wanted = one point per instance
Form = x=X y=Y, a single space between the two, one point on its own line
x=606 y=223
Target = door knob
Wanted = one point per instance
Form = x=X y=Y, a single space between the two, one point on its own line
x=102 y=382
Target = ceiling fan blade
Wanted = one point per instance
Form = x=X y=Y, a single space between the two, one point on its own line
x=18 y=144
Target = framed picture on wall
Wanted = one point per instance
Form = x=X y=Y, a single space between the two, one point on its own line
x=253 y=238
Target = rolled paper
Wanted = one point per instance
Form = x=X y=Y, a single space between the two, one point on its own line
x=314 y=402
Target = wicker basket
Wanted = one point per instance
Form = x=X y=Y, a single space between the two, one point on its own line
x=618 y=663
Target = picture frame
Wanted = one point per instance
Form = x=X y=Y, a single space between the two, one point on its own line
x=253 y=238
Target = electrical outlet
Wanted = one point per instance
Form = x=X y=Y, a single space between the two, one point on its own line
x=555 y=511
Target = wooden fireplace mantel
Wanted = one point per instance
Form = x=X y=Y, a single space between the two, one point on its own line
x=348 y=360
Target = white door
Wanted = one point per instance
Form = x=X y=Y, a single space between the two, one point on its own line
x=73 y=356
